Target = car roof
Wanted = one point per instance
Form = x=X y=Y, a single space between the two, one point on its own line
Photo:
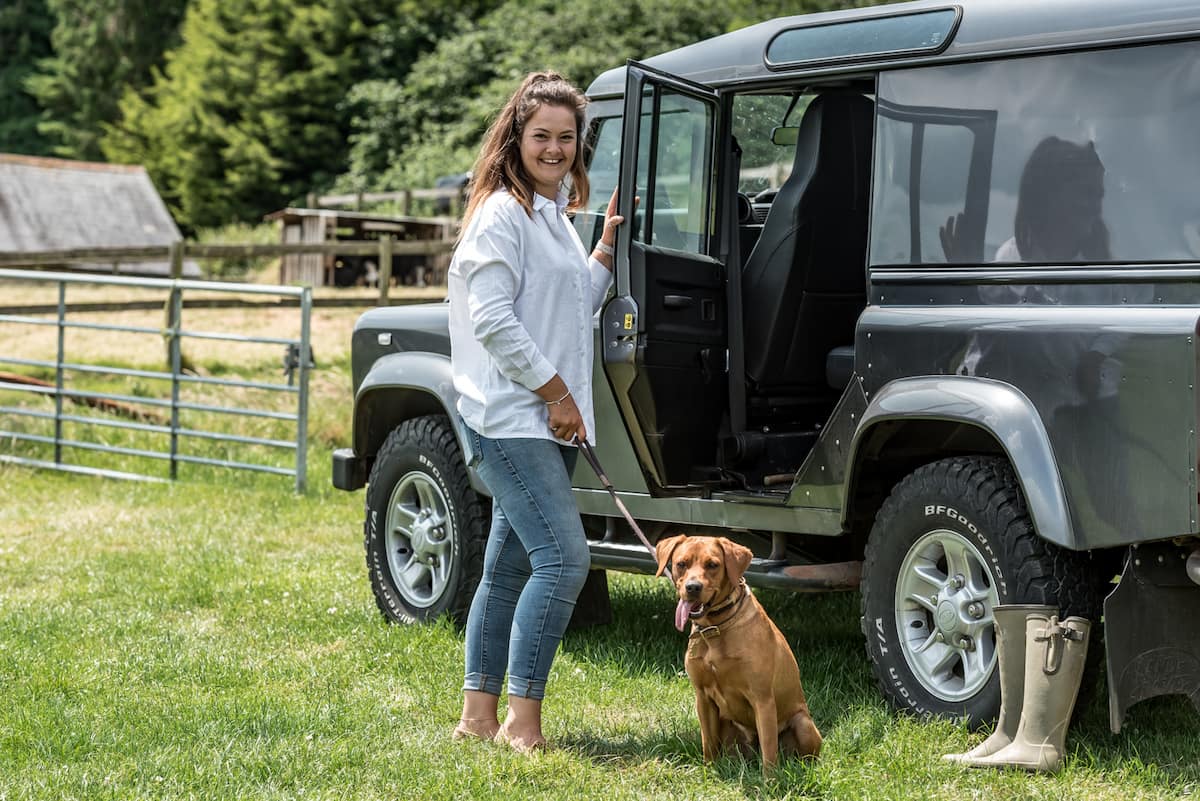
x=985 y=28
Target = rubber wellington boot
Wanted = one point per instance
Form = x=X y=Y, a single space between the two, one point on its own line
x=1054 y=656
x=1010 y=653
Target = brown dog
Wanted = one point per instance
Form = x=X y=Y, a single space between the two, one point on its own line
x=745 y=676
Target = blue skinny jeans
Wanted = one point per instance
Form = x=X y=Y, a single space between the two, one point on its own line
x=534 y=566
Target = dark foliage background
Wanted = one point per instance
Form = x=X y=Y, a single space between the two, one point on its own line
x=238 y=107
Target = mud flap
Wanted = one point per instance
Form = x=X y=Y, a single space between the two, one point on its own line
x=1152 y=631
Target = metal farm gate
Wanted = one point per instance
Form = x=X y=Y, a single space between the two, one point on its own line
x=168 y=416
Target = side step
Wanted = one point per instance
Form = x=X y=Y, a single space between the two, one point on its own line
x=773 y=573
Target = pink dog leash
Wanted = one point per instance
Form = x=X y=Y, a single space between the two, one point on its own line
x=590 y=455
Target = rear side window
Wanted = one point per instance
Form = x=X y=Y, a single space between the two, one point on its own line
x=1077 y=158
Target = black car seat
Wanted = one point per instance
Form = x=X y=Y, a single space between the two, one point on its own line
x=804 y=284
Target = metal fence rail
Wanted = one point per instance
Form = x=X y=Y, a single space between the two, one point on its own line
x=173 y=430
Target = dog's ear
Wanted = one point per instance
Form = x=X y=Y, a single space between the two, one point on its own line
x=663 y=550
x=737 y=559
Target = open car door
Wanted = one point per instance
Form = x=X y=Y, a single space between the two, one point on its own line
x=665 y=331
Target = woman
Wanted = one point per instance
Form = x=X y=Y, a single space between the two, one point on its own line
x=522 y=295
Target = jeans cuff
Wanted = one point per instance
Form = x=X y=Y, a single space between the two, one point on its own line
x=478 y=682
x=527 y=688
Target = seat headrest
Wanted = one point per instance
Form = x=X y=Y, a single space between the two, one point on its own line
x=841 y=124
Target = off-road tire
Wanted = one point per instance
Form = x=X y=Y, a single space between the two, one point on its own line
x=976 y=500
x=420 y=468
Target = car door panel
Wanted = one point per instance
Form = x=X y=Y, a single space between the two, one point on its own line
x=665 y=330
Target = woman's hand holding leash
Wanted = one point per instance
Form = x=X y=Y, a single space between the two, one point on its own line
x=565 y=421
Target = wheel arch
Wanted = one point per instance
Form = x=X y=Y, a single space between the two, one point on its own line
x=399 y=387
x=914 y=421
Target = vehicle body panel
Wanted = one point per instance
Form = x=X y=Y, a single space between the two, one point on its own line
x=1112 y=387
x=988 y=28
x=1004 y=413
x=416 y=359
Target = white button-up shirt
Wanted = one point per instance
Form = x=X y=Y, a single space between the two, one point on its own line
x=522 y=296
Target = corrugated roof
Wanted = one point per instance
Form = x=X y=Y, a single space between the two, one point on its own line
x=58 y=204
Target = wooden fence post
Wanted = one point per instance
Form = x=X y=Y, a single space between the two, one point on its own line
x=175 y=254
x=385 y=267
x=175 y=355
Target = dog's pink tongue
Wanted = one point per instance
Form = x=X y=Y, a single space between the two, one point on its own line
x=681 y=614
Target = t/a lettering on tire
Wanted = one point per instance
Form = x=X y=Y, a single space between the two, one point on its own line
x=425 y=527
x=953 y=540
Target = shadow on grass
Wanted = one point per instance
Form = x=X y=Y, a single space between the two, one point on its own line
x=1157 y=736
x=674 y=751
x=1157 y=741
x=642 y=641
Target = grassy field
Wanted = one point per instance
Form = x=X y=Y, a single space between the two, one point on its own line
x=207 y=358
x=216 y=638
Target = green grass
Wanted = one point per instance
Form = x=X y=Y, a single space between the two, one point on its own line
x=216 y=638
x=212 y=640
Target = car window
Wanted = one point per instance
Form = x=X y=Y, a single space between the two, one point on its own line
x=675 y=171
x=1085 y=158
x=765 y=165
x=603 y=168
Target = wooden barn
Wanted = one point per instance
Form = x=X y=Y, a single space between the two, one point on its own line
x=330 y=225
x=58 y=204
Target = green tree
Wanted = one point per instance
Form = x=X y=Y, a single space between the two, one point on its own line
x=374 y=102
x=407 y=133
x=250 y=112
x=25 y=27
x=101 y=48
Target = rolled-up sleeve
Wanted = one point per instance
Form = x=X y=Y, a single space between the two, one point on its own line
x=490 y=264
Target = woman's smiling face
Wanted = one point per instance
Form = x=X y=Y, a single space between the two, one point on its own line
x=548 y=146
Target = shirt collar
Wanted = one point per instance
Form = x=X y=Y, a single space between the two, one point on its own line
x=542 y=202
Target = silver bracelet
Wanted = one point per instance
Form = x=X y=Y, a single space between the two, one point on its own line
x=560 y=400
x=603 y=248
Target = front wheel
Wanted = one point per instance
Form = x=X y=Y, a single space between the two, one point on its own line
x=425 y=528
x=953 y=540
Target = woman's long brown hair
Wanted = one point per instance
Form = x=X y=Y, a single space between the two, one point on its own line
x=499 y=163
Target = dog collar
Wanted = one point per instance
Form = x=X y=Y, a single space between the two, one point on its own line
x=734 y=599
x=731 y=598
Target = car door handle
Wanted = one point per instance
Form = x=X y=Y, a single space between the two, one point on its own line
x=678 y=301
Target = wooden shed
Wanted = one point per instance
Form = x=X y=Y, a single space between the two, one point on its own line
x=330 y=225
x=59 y=204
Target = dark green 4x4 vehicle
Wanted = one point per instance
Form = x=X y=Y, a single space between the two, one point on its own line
x=909 y=304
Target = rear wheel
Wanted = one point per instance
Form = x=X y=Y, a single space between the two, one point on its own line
x=425 y=527
x=953 y=540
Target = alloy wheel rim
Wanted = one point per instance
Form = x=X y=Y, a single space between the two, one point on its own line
x=944 y=601
x=419 y=539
